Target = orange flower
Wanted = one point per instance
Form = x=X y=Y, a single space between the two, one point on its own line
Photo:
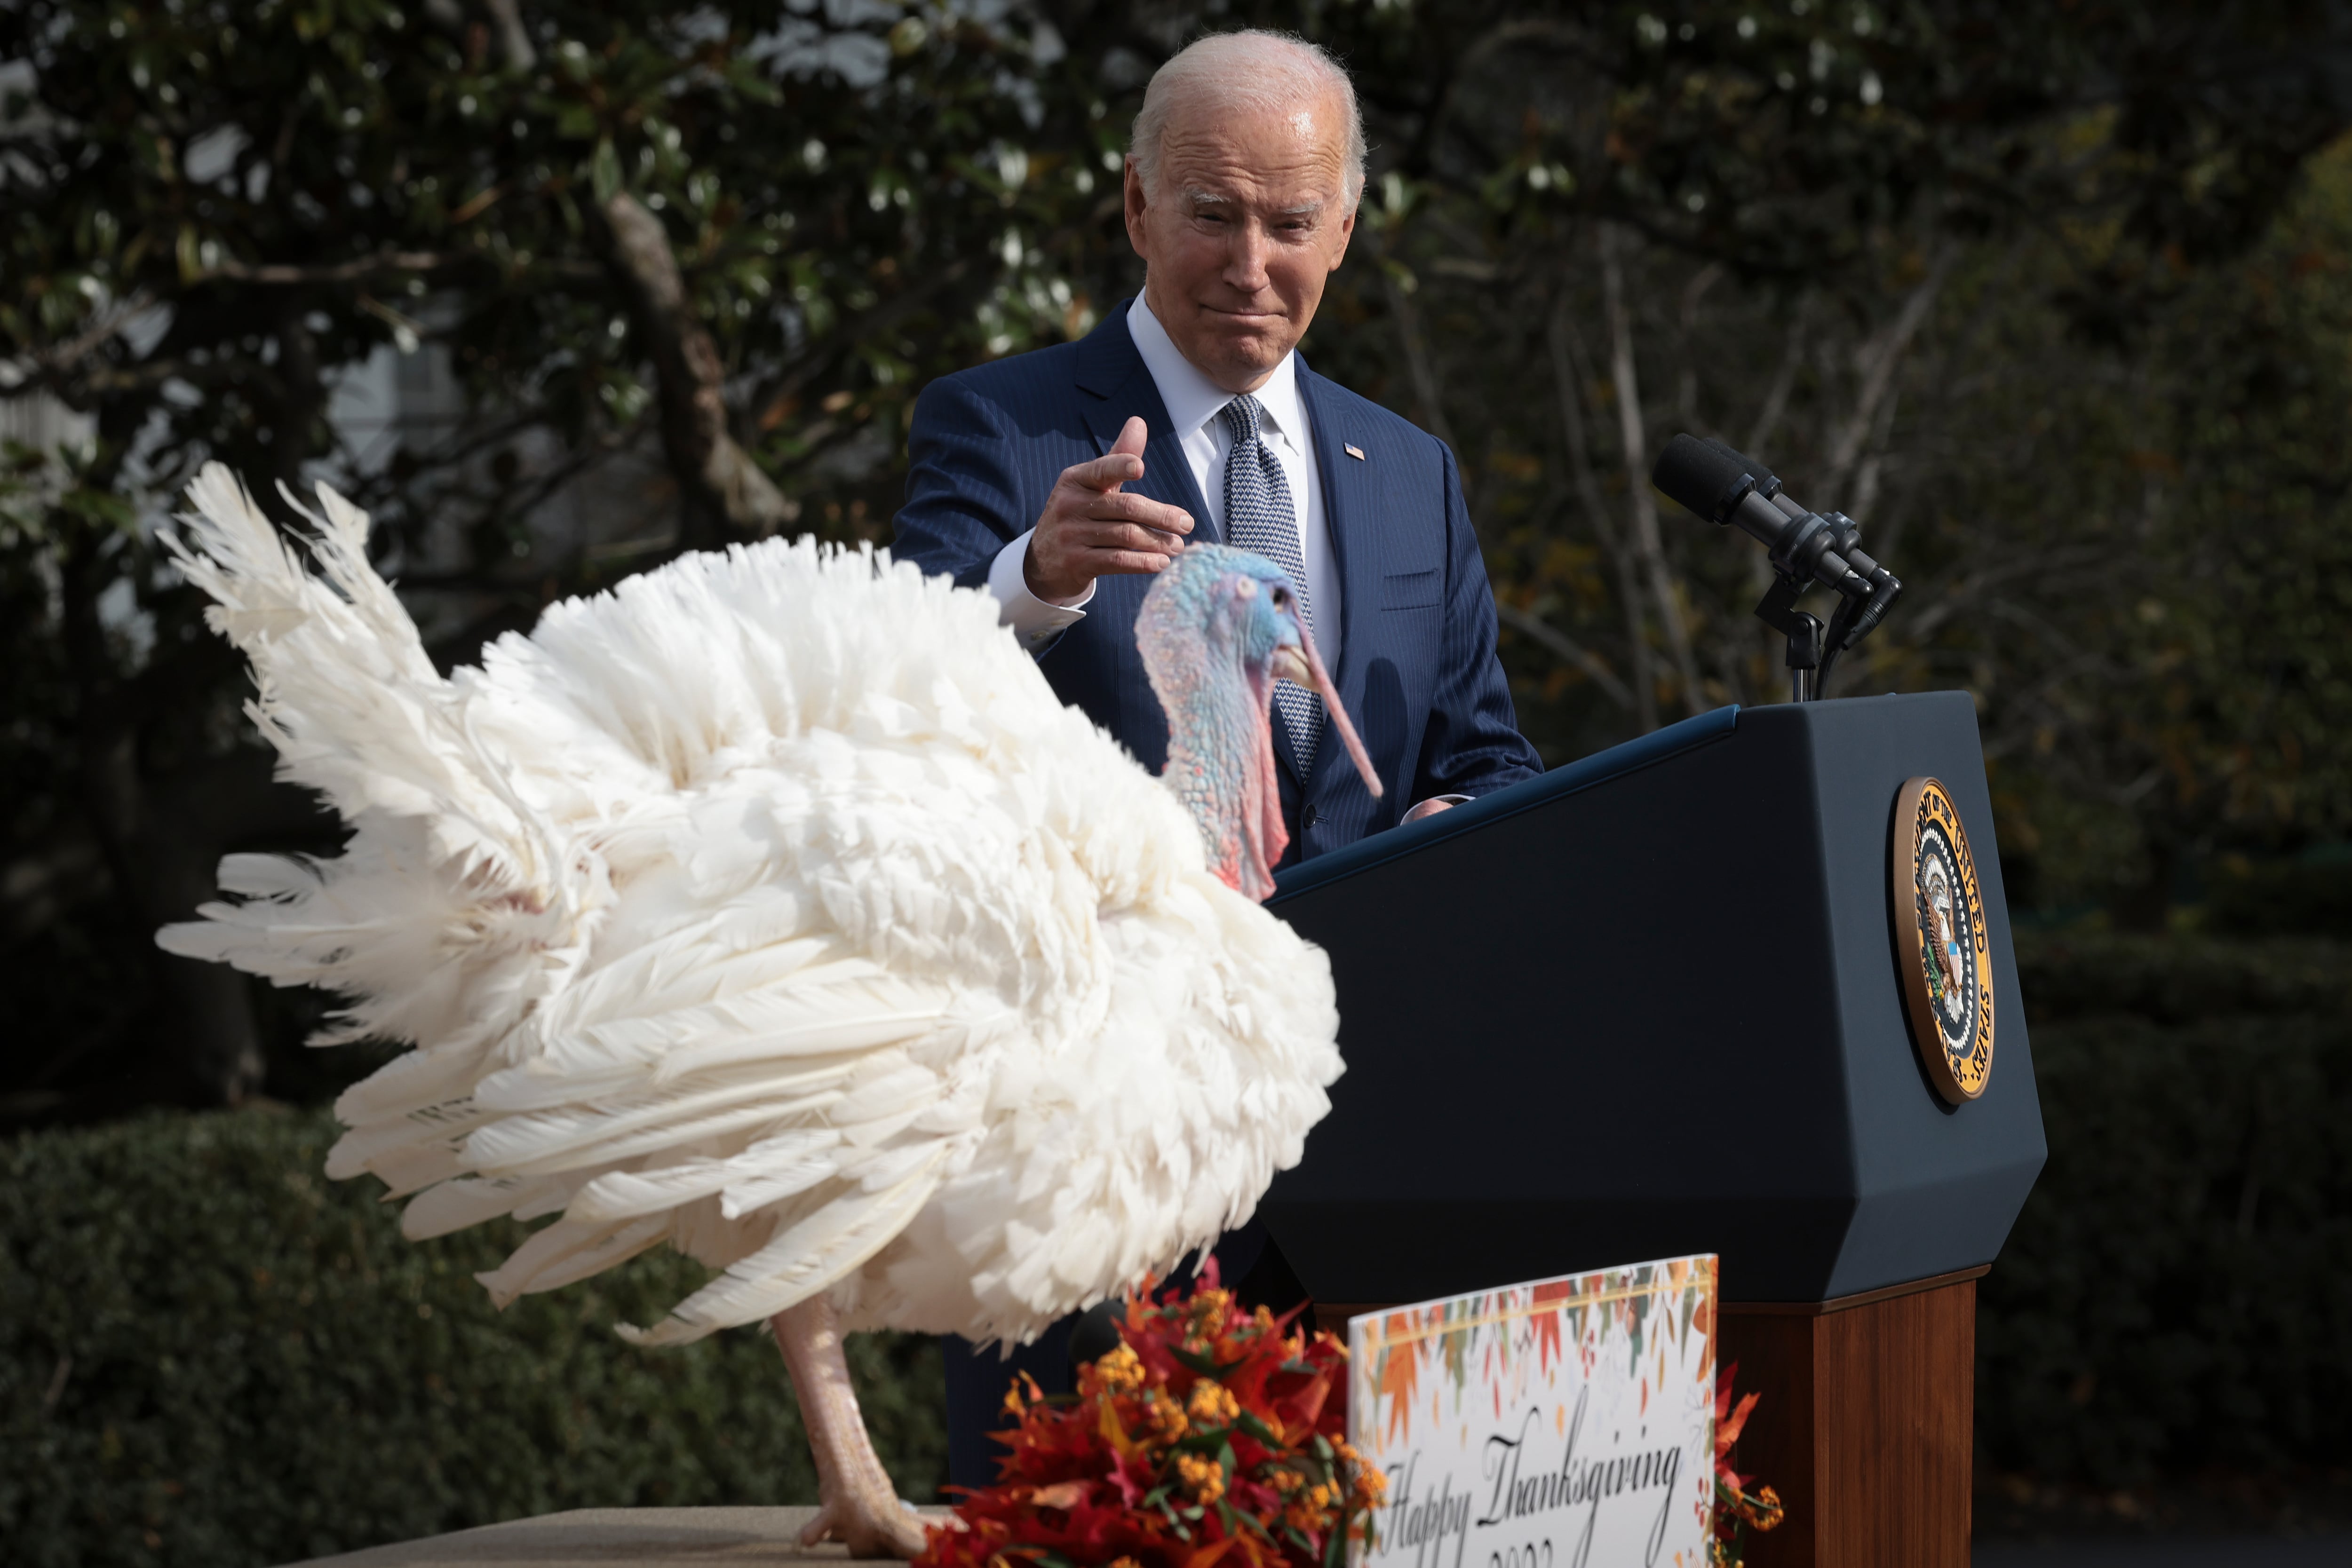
x=1167 y=1416
x=1120 y=1372
x=1112 y=1478
x=1736 y=1508
x=1213 y=1404
x=1205 y=1480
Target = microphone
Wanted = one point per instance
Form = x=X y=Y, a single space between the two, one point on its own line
x=1728 y=487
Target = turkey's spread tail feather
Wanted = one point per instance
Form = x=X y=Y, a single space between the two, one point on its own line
x=452 y=910
x=770 y=906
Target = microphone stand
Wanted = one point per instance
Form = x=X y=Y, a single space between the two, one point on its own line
x=1728 y=487
x=1778 y=609
x=1862 y=600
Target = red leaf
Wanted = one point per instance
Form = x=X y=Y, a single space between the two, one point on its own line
x=1726 y=1431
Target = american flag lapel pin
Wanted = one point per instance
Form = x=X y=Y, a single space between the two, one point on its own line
x=1352 y=450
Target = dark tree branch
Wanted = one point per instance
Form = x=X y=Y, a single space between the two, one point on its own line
x=75 y=350
x=1549 y=637
x=1572 y=373
x=1632 y=441
x=350 y=271
x=514 y=40
x=797 y=374
x=726 y=493
x=1417 y=360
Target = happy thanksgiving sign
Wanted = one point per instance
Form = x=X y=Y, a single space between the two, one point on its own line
x=1566 y=1423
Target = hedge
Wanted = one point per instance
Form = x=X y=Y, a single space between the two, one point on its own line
x=2177 y=1295
x=209 y=1354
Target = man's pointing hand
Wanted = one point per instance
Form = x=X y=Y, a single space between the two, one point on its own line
x=1091 y=527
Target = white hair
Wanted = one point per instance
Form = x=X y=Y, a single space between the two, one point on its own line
x=1249 y=71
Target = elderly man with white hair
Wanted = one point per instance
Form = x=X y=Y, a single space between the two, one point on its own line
x=1063 y=479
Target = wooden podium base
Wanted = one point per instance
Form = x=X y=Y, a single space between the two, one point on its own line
x=1866 y=1423
x=1866 y=1426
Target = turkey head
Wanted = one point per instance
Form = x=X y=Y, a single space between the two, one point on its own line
x=1219 y=627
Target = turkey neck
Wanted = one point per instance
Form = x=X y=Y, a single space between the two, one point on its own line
x=1220 y=755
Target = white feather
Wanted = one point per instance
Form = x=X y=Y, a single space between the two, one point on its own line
x=771 y=906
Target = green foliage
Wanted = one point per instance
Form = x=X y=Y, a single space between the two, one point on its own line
x=223 y=223
x=2309 y=894
x=209 y=1354
x=2088 y=408
x=2177 y=1293
x=2192 y=694
x=294 y=186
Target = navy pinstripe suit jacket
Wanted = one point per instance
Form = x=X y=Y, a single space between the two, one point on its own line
x=1417 y=668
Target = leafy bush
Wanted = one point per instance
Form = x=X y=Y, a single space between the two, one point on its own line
x=2310 y=893
x=211 y=1354
x=2178 y=1292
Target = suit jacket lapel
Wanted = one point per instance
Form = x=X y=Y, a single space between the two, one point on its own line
x=1114 y=374
x=1350 y=505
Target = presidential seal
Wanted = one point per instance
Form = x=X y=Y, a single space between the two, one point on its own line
x=1939 y=941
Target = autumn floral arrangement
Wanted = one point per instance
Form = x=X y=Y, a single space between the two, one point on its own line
x=1736 y=1508
x=1210 y=1436
x=1215 y=1438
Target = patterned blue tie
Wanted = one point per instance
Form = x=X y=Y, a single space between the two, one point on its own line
x=1258 y=517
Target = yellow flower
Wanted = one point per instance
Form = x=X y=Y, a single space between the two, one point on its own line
x=1119 y=1371
x=1301 y=1513
x=1167 y=1417
x=1763 y=1510
x=1213 y=1404
x=1203 y=1478
x=1287 y=1481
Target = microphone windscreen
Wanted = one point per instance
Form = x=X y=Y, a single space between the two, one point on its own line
x=1707 y=480
x=1762 y=474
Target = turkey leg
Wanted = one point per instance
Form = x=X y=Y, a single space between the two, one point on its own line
x=857 y=1505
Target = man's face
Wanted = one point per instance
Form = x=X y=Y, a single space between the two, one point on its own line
x=1248 y=219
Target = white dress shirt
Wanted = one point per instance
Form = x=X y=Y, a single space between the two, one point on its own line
x=1194 y=402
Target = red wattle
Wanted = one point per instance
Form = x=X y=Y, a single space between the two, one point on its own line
x=1263 y=836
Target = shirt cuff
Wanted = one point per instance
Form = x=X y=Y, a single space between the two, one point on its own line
x=1036 y=622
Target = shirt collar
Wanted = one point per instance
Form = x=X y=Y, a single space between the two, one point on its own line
x=1194 y=400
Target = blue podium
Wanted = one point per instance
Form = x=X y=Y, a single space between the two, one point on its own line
x=1651 y=1003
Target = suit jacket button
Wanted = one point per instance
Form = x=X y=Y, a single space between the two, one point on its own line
x=1312 y=817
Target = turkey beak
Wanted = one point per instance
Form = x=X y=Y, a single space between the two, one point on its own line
x=1304 y=666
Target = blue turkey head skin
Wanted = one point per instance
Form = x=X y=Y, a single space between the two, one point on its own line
x=1218 y=628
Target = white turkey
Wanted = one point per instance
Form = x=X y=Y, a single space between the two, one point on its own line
x=772 y=907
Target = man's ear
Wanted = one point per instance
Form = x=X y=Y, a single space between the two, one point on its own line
x=1346 y=231
x=1131 y=179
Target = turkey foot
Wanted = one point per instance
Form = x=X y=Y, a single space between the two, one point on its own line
x=857 y=1505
